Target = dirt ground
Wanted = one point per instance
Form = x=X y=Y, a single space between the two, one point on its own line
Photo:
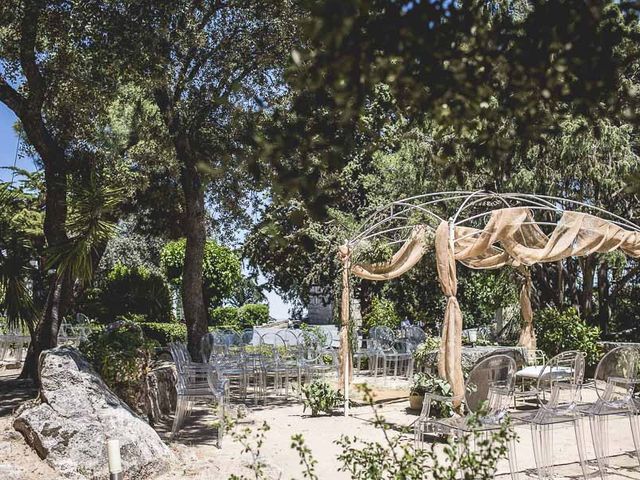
x=198 y=457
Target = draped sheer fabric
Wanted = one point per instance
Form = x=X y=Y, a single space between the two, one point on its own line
x=511 y=236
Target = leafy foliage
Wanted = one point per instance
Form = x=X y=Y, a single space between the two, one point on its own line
x=559 y=331
x=320 y=397
x=135 y=290
x=164 y=333
x=424 y=383
x=381 y=314
x=396 y=457
x=121 y=355
x=221 y=269
x=239 y=318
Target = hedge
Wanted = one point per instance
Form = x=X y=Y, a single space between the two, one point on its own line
x=235 y=318
x=165 y=333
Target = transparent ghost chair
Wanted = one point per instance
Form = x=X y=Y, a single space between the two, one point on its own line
x=246 y=338
x=253 y=362
x=395 y=357
x=315 y=362
x=558 y=391
x=365 y=349
x=208 y=343
x=414 y=336
x=488 y=394
x=615 y=381
x=274 y=351
x=227 y=356
x=196 y=382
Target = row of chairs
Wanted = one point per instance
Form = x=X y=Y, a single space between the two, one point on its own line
x=490 y=388
x=234 y=363
x=389 y=352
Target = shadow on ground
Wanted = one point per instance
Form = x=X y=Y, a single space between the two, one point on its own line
x=13 y=392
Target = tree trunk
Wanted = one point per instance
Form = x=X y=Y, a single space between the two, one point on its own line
x=604 y=311
x=588 y=274
x=45 y=335
x=195 y=310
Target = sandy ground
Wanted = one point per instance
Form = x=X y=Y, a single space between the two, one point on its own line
x=197 y=456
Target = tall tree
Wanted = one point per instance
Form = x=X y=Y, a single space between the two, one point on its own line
x=208 y=65
x=56 y=83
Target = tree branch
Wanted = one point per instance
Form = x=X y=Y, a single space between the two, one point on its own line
x=29 y=30
x=11 y=98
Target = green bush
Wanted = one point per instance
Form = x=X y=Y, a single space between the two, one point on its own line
x=165 y=333
x=121 y=355
x=135 y=290
x=253 y=314
x=558 y=332
x=319 y=397
x=221 y=269
x=228 y=316
x=424 y=383
x=234 y=318
x=381 y=314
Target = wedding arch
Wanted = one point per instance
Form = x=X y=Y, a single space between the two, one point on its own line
x=482 y=230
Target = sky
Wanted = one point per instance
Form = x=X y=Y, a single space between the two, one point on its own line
x=8 y=142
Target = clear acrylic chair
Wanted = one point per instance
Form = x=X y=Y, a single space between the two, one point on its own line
x=196 y=382
x=395 y=358
x=615 y=381
x=488 y=394
x=558 y=392
x=414 y=336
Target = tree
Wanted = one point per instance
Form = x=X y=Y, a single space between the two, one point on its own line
x=221 y=272
x=55 y=78
x=467 y=66
x=207 y=66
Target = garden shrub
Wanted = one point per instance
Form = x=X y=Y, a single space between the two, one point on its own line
x=253 y=314
x=382 y=313
x=121 y=355
x=320 y=397
x=424 y=383
x=424 y=351
x=165 y=333
x=221 y=269
x=227 y=316
x=559 y=331
x=234 y=318
x=135 y=290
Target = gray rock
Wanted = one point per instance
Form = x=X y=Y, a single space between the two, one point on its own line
x=76 y=413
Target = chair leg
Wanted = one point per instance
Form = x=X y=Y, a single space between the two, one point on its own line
x=513 y=460
x=179 y=416
x=222 y=413
x=596 y=437
x=542 y=437
x=634 y=421
x=578 y=427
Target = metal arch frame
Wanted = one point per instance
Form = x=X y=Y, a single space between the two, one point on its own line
x=382 y=220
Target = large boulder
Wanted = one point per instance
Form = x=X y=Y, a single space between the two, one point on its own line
x=74 y=415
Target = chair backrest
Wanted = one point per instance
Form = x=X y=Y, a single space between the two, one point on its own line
x=207 y=345
x=247 y=337
x=535 y=357
x=560 y=381
x=384 y=337
x=490 y=384
x=180 y=354
x=414 y=336
x=616 y=375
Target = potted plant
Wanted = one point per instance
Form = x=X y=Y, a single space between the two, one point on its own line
x=424 y=383
x=418 y=389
